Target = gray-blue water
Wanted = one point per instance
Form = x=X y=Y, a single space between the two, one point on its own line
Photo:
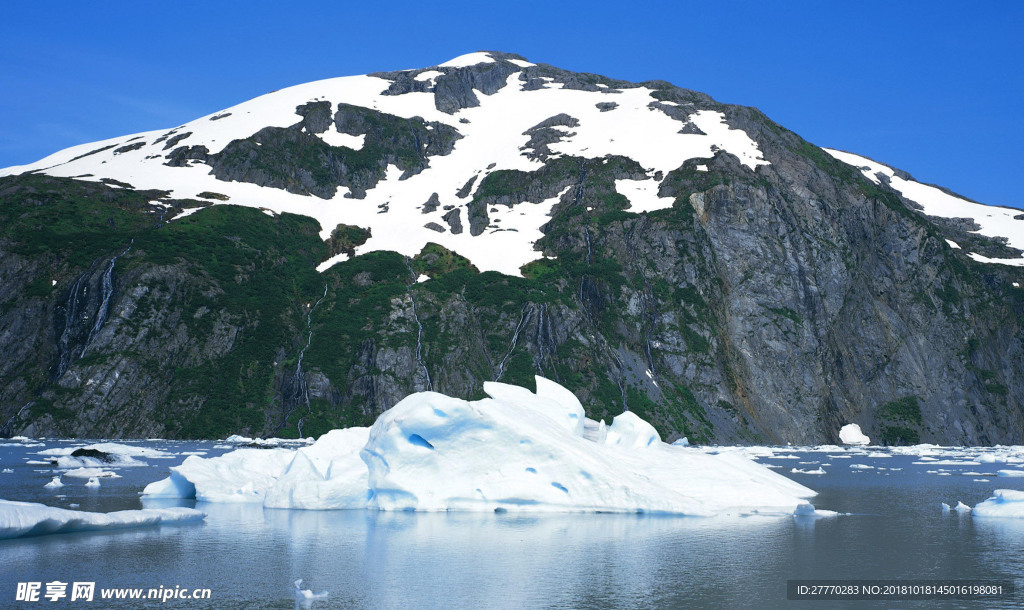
x=249 y=557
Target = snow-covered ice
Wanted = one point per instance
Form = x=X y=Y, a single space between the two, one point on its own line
x=54 y=483
x=30 y=519
x=851 y=434
x=515 y=451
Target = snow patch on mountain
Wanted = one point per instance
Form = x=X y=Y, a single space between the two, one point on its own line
x=467 y=60
x=994 y=221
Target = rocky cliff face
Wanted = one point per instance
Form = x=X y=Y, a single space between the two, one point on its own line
x=768 y=301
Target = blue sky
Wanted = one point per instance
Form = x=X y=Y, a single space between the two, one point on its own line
x=933 y=88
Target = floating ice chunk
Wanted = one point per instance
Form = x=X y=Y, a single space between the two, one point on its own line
x=945 y=507
x=54 y=483
x=29 y=519
x=819 y=470
x=8 y=471
x=682 y=442
x=306 y=597
x=851 y=434
x=861 y=467
x=807 y=510
x=93 y=482
x=1003 y=503
x=962 y=508
x=1010 y=473
x=91 y=473
x=101 y=455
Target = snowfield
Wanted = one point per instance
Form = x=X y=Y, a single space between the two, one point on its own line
x=514 y=451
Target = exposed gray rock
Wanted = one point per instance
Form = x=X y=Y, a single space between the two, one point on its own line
x=454 y=220
x=431 y=204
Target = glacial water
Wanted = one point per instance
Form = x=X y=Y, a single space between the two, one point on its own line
x=249 y=557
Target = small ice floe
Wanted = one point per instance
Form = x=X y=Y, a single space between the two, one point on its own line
x=1010 y=473
x=819 y=470
x=861 y=467
x=962 y=508
x=305 y=597
x=8 y=471
x=807 y=511
x=851 y=434
x=879 y=454
x=945 y=507
x=981 y=480
x=1003 y=503
x=30 y=519
x=91 y=473
x=93 y=482
x=55 y=483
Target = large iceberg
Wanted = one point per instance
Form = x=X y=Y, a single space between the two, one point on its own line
x=30 y=519
x=514 y=451
x=1003 y=503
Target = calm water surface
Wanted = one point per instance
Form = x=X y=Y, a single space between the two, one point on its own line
x=249 y=556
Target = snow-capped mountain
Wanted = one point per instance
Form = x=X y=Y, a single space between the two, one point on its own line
x=304 y=260
x=472 y=116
